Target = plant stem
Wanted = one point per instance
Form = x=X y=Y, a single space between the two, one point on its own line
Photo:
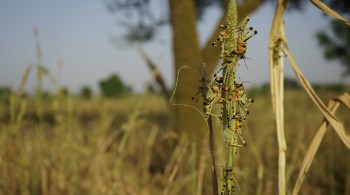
x=212 y=156
x=229 y=108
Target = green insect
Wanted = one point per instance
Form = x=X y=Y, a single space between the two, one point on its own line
x=243 y=35
x=277 y=49
x=230 y=183
x=240 y=97
x=223 y=35
x=236 y=113
x=213 y=94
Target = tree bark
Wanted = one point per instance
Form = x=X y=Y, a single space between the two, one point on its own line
x=186 y=53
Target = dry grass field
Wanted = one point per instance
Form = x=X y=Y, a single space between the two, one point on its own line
x=63 y=144
x=128 y=146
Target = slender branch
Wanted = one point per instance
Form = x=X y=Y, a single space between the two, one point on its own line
x=157 y=76
x=212 y=156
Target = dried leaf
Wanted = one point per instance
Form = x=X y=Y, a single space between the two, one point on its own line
x=331 y=118
x=315 y=143
x=329 y=11
x=345 y=99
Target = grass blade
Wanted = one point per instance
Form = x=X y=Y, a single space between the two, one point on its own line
x=329 y=11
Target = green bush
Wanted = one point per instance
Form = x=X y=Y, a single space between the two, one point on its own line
x=86 y=92
x=113 y=86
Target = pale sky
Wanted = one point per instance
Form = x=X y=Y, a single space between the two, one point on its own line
x=79 y=33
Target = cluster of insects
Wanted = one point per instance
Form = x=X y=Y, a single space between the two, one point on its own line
x=229 y=93
x=219 y=91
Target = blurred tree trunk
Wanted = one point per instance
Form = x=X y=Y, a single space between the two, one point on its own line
x=187 y=52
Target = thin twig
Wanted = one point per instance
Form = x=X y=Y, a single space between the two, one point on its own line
x=212 y=156
x=157 y=76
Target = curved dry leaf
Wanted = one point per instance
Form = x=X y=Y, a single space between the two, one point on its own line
x=277 y=73
x=315 y=143
x=333 y=120
x=345 y=99
x=329 y=11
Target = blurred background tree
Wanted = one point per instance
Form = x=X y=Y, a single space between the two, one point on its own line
x=85 y=92
x=290 y=83
x=113 y=86
x=336 y=39
x=5 y=93
x=151 y=88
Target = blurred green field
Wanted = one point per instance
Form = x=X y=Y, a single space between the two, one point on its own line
x=128 y=146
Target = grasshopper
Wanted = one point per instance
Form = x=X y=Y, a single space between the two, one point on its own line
x=244 y=34
x=222 y=39
x=213 y=95
x=240 y=97
x=230 y=183
x=237 y=102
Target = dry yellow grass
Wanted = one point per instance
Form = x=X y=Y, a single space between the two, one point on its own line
x=109 y=146
x=67 y=145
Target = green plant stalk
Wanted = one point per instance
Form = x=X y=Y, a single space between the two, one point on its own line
x=12 y=108
x=39 y=110
x=39 y=76
x=229 y=107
